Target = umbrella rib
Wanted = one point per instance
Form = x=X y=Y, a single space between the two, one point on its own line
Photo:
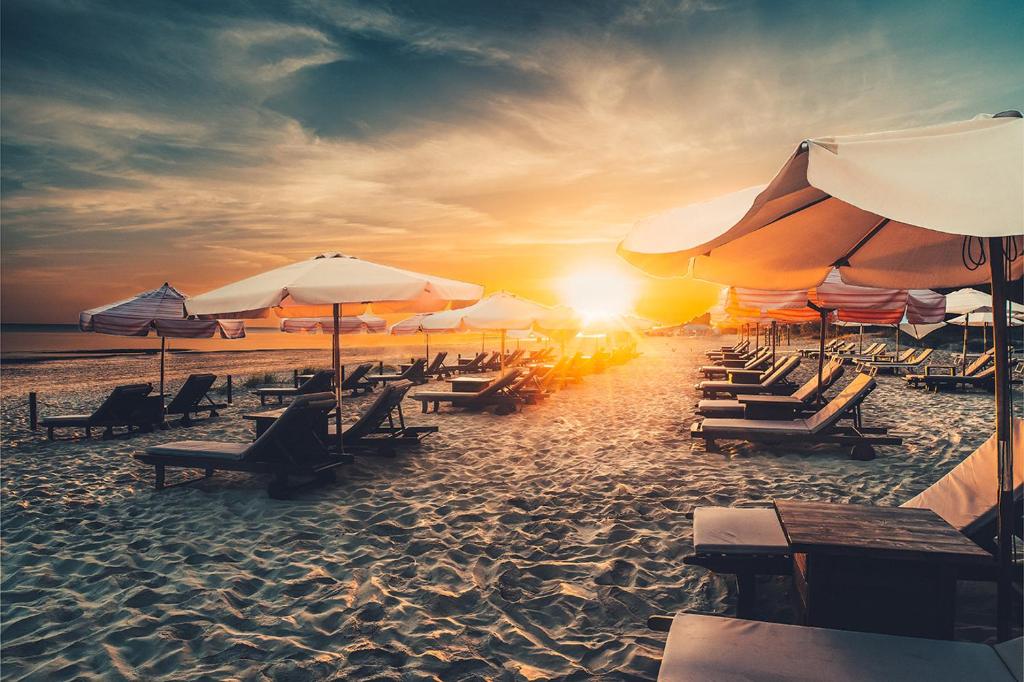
x=844 y=262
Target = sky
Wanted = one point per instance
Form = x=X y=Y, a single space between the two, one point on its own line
x=505 y=143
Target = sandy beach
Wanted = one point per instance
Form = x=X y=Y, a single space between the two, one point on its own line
x=527 y=547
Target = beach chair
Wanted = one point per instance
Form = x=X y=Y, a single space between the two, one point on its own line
x=436 y=369
x=355 y=381
x=414 y=373
x=972 y=369
x=381 y=427
x=130 y=406
x=320 y=382
x=471 y=366
x=759 y=361
x=747 y=541
x=872 y=352
x=752 y=382
x=813 y=352
x=292 y=446
x=737 y=347
x=703 y=647
x=546 y=380
x=495 y=395
x=896 y=365
x=755 y=406
x=194 y=397
x=984 y=379
x=820 y=427
x=745 y=354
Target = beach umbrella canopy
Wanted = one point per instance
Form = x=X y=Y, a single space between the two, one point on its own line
x=160 y=310
x=349 y=324
x=984 y=318
x=937 y=206
x=967 y=301
x=333 y=284
x=919 y=331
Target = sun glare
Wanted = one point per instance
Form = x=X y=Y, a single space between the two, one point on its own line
x=598 y=293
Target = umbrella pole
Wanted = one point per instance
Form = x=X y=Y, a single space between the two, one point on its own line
x=428 y=347
x=821 y=345
x=163 y=349
x=502 y=351
x=897 y=340
x=773 y=343
x=861 y=349
x=336 y=347
x=963 y=361
x=1004 y=554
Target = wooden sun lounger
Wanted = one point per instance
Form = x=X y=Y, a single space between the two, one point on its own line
x=759 y=361
x=194 y=397
x=821 y=427
x=739 y=346
x=751 y=382
x=130 y=406
x=292 y=446
x=320 y=382
x=414 y=373
x=437 y=369
x=748 y=542
x=813 y=352
x=381 y=427
x=471 y=366
x=972 y=369
x=702 y=647
x=896 y=366
x=495 y=395
x=985 y=379
x=757 y=406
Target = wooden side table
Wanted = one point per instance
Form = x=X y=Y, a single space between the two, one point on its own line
x=876 y=569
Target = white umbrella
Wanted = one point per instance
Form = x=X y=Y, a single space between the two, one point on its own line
x=161 y=310
x=967 y=302
x=332 y=284
x=500 y=311
x=349 y=324
x=984 y=319
x=938 y=206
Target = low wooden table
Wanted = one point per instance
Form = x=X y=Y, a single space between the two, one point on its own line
x=876 y=569
x=267 y=417
x=469 y=384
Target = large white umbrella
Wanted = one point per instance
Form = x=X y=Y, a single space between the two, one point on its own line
x=161 y=310
x=938 y=206
x=965 y=302
x=333 y=284
x=500 y=311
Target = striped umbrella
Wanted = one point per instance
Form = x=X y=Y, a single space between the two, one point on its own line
x=161 y=310
x=349 y=324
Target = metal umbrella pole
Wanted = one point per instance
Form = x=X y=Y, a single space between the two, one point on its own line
x=824 y=312
x=336 y=352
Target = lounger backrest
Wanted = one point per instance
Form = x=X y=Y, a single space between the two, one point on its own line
x=1012 y=654
x=848 y=398
x=987 y=373
x=375 y=415
x=294 y=437
x=524 y=379
x=979 y=362
x=191 y=393
x=122 y=403
x=783 y=368
x=436 y=364
x=353 y=380
x=415 y=370
x=499 y=384
x=830 y=373
x=923 y=355
x=905 y=355
x=967 y=496
x=320 y=382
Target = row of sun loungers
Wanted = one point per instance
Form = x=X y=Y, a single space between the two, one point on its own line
x=133 y=406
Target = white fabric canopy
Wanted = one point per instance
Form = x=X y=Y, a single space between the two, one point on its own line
x=161 y=310
x=966 y=301
x=919 y=331
x=891 y=209
x=498 y=311
x=349 y=324
x=984 y=319
x=311 y=287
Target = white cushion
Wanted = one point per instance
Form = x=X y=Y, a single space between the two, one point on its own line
x=732 y=530
x=730 y=649
x=200 y=448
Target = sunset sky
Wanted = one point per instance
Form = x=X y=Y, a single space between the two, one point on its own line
x=505 y=143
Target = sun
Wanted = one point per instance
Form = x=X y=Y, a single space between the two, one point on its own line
x=598 y=292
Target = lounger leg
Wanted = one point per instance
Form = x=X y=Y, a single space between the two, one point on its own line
x=746 y=594
x=159 y=483
x=108 y=433
x=423 y=405
x=263 y=399
x=437 y=405
x=49 y=430
x=710 y=445
x=208 y=473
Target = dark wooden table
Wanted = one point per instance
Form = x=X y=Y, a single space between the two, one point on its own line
x=267 y=417
x=877 y=569
x=469 y=384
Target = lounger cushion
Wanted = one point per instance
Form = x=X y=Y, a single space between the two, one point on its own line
x=710 y=408
x=1012 y=653
x=286 y=390
x=67 y=420
x=966 y=497
x=730 y=649
x=757 y=427
x=732 y=530
x=208 y=449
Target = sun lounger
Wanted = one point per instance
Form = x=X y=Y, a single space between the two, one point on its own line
x=735 y=348
x=820 y=427
x=972 y=369
x=381 y=427
x=897 y=365
x=292 y=446
x=194 y=397
x=320 y=382
x=813 y=351
x=701 y=647
x=472 y=366
x=759 y=361
x=495 y=395
x=801 y=400
x=414 y=373
x=130 y=406
x=872 y=352
x=749 y=541
x=751 y=382
x=985 y=379
x=437 y=369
